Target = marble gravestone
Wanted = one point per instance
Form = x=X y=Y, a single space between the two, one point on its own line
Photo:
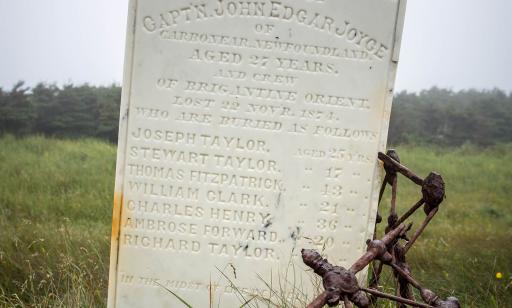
x=248 y=131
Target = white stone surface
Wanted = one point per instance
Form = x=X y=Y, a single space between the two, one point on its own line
x=249 y=130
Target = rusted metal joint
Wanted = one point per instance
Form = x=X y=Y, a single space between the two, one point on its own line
x=398 y=167
x=389 y=167
x=380 y=250
x=433 y=191
x=389 y=179
x=450 y=302
x=339 y=283
x=429 y=296
x=371 y=254
x=432 y=299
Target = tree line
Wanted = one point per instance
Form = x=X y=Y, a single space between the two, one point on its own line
x=69 y=111
x=444 y=117
x=434 y=116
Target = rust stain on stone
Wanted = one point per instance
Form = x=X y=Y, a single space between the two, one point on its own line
x=116 y=215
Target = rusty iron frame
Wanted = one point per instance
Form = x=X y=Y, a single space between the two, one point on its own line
x=342 y=286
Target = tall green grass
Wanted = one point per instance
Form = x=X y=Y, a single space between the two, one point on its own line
x=55 y=211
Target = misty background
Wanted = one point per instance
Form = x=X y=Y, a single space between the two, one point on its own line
x=456 y=44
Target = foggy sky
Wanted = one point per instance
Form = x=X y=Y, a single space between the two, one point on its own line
x=454 y=44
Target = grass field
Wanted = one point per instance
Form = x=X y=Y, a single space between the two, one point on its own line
x=55 y=211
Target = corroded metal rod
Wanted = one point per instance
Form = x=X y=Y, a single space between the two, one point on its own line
x=411 y=211
x=396 y=298
x=420 y=229
x=374 y=280
x=405 y=275
x=347 y=303
x=393 y=217
x=319 y=301
x=383 y=187
x=405 y=289
x=400 y=168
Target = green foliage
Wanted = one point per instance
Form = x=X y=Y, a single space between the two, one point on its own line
x=108 y=105
x=444 y=117
x=55 y=214
x=434 y=116
x=16 y=112
x=45 y=105
x=78 y=111
x=70 y=111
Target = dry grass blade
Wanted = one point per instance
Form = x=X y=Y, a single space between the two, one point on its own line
x=175 y=295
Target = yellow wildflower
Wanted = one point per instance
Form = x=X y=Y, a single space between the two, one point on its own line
x=499 y=275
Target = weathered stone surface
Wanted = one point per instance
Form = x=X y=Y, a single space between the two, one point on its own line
x=249 y=130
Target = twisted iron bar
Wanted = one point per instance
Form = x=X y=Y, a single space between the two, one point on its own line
x=341 y=284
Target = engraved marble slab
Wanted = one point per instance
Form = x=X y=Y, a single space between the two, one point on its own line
x=249 y=130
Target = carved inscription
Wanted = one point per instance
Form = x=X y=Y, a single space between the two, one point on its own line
x=251 y=132
x=271 y=10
